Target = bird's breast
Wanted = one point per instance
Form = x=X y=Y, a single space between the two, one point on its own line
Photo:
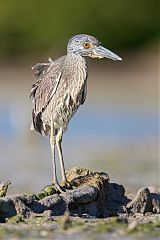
x=69 y=94
x=76 y=80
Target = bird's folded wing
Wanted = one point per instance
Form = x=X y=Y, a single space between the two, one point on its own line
x=48 y=77
x=84 y=93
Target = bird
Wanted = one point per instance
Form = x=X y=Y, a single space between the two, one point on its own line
x=59 y=90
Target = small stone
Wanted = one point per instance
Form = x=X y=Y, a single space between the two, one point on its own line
x=156 y=205
x=132 y=226
x=142 y=202
x=43 y=233
x=47 y=213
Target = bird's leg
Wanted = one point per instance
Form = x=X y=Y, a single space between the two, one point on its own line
x=52 y=143
x=59 y=148
x=65 y=183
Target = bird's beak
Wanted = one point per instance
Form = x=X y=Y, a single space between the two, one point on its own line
x=101 y=52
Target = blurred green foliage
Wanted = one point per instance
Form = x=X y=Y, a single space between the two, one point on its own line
x=36 y=26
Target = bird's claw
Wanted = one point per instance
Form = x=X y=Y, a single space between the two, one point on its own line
x=66 y=184
x=59 y=188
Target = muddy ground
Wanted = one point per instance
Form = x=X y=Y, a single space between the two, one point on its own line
x=91 y=208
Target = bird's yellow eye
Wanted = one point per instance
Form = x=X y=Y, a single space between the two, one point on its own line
x=86 y=45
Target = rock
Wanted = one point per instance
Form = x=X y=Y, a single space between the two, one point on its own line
x=141 y=203
x=47 y=214
x=14 y=205
x=86 y=197
x=145 y=202
x=155 y=202
x=77 y=173
x=7 y=208
x=91 y=195
x=55 y=203
x=116 y=199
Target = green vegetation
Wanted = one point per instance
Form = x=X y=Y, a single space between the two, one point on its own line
x=47 y=191
x=33 y=27
x=149 y=228
x=16 y=219
x=4 y=188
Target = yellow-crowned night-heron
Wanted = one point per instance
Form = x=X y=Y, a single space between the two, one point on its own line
x=60 y=89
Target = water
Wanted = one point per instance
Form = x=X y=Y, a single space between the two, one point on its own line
x=116 y=130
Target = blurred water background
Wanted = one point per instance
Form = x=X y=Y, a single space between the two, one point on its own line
x=116 y=130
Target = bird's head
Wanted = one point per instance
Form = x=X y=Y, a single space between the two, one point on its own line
x=86 y=45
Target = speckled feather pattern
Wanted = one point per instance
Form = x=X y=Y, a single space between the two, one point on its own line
x=58 y=92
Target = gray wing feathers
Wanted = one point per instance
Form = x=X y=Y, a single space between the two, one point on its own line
x=48 y=77
x=45 y=90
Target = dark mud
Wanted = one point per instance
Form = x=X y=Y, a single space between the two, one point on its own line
x=90 y=205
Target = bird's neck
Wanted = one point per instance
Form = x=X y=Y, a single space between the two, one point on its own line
x=77 y=64
x=75 y=57
x=76 y=70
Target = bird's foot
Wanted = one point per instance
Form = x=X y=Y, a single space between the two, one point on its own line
x=67 y=185
x=59 y=188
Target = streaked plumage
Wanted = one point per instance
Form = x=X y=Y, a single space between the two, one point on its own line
x=60 y=89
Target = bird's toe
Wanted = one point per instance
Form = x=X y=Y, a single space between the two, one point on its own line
x=66 y=185
x=59 y=188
